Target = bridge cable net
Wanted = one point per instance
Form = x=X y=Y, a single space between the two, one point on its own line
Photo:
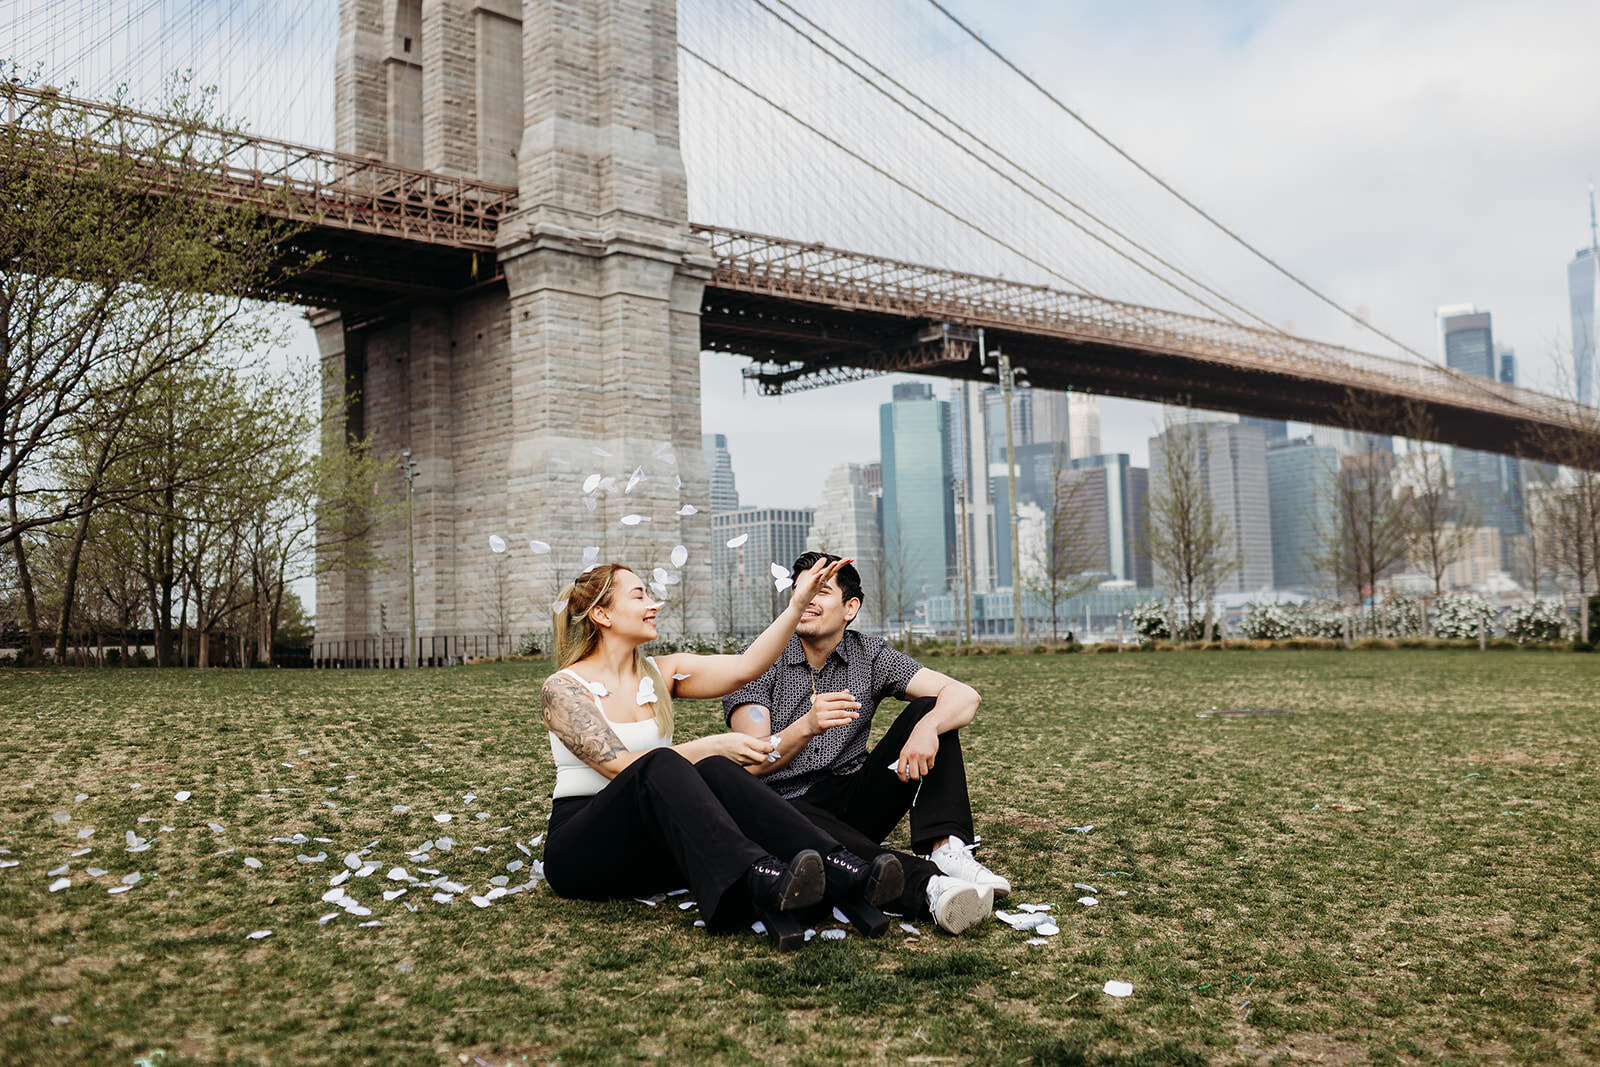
x=269 y=62
x=875 y=129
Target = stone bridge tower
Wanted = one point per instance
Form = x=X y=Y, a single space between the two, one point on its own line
x=582 y=360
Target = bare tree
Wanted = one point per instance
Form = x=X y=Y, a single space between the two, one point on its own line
x=1068 y=561
x=1441 y=519
x=1192 y=544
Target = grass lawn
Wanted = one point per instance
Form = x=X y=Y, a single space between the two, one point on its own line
x=1405 y=869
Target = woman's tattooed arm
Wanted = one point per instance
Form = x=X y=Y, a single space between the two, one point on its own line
x=570 y=714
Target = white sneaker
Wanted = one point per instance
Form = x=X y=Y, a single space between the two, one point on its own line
x=954 y=858
x=956 y=905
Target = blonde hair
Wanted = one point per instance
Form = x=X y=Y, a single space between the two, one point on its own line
x=577 y=636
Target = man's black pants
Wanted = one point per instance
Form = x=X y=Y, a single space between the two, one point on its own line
x=861 y=809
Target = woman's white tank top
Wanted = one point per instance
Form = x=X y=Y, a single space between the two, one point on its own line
x=575 y=778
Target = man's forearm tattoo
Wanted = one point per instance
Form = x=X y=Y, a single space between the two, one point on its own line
x=756 y=713
x=570 y=714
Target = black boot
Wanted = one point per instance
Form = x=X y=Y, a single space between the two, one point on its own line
x=851 y=878
x=777 y=886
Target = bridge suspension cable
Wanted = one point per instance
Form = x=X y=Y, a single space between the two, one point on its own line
x=984 y=146
x=1169 y=188
x=884 y=173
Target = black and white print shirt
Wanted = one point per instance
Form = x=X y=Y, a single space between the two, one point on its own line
x=866 y=666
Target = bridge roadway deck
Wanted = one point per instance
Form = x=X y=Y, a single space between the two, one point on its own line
x=386 y=236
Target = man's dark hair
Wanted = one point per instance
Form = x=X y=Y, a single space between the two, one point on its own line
x=848 y=578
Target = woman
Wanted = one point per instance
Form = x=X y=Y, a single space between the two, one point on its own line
x=634 y=814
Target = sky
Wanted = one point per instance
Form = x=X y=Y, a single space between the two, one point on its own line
x=1399 y=157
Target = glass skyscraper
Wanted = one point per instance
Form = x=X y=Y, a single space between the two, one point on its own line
x=1481 y=477
x=1300 y=500
x=719 y=467
x=1583 y=287
x=918 y=506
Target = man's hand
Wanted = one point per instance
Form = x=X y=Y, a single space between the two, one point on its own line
x=831 y=709
x=916 y=758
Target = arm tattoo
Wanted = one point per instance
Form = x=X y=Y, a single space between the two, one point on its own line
x=570 y=714
x=757 y=713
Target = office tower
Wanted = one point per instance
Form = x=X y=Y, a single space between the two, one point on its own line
x=1300 y=501
x=1107 y=497
x=1052 y=415
x=743 y=599
x=1233 y=460
x=1083 y=419
x=1467 y=335
x=971 y=472
x=1511 y=470
x=1275 y=429
x=846 y=524
x=994 y=414
x=1583 y=289
x=918 y=505
x=719 y=468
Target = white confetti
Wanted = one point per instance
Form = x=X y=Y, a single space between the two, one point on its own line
x=634 y=479
x=114 y=890
x=216 y=827
x=778 y=570
x=686 y=905
x=591 y=483
x=443 y=898
x=398 y=874
x=341 y=878
x=334 y=894
x=680 y=556
x=1080 y=829
x=1085 y=888
x=374 y=922
x=1036 y=941
x=1047 y=929
x=539 y=547
x=318 y=858
x=1119 y=989
x=1088 y=902
x=782 y=583
x=738 y=542
x=1034 y=907
x=63 y=869
x=326 y=919
x=8 y=863
x=393 y=894
x=443 y=816
x=832 y=935
x=912 y=930
x=634 y=520
x=60 y=817
x=400 y=809
x=60 y=884
x=252 y=862
x=80 y=798
x=591 y=557
x=601 y=452
x=132 y=878
x=85 y=833
x=679 y=677
x=558 y=606
x=257 y=935
x=688 y=509
x=482 y=902
x=497 y=544
x=353 y=861
x=181 y=795
x=94 y=872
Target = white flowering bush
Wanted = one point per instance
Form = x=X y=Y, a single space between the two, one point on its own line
x=1461 y=615
x=1150 y=620
x=1321 y=620
x=1537 y=620
x=1400 y=615
x=1269 y=622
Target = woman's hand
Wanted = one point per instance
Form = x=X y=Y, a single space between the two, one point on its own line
x=743 y=749
x=808 y=581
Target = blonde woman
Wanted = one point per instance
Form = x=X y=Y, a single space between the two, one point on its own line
x=634 y=814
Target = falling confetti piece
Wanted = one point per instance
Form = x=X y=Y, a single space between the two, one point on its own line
x=591 y=557
x=634 y=479
x=1119 y=989
x=778 y=570
x=257 y=935
x=680 y=556
x=589 y=502
x=782 y=583
x=591 y=483
x=688 y=509
x=559 y=606
x=497 y=543
x=634 y=520
x=539 y=547
x=738 y=542
x=181 y=795
x=59 y=884
x=601 y=452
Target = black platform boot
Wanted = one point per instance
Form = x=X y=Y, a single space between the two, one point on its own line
x=860 y=887
x=777 y=888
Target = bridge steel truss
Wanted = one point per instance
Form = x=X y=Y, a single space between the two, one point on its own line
x=811 y=315
x=808 y=315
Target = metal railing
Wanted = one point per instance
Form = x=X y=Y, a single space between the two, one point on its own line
x=305 y=184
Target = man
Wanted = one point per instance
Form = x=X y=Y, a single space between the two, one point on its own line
x=817 y=704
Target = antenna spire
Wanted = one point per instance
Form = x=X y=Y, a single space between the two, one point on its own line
x=1594 y=231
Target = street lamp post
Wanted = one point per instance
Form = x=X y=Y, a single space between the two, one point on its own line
x=1007 y=384
x=408 y=467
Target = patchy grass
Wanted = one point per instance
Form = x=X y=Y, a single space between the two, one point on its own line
x=1402 y=870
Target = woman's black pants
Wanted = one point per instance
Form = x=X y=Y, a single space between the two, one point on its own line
x=665 y=822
